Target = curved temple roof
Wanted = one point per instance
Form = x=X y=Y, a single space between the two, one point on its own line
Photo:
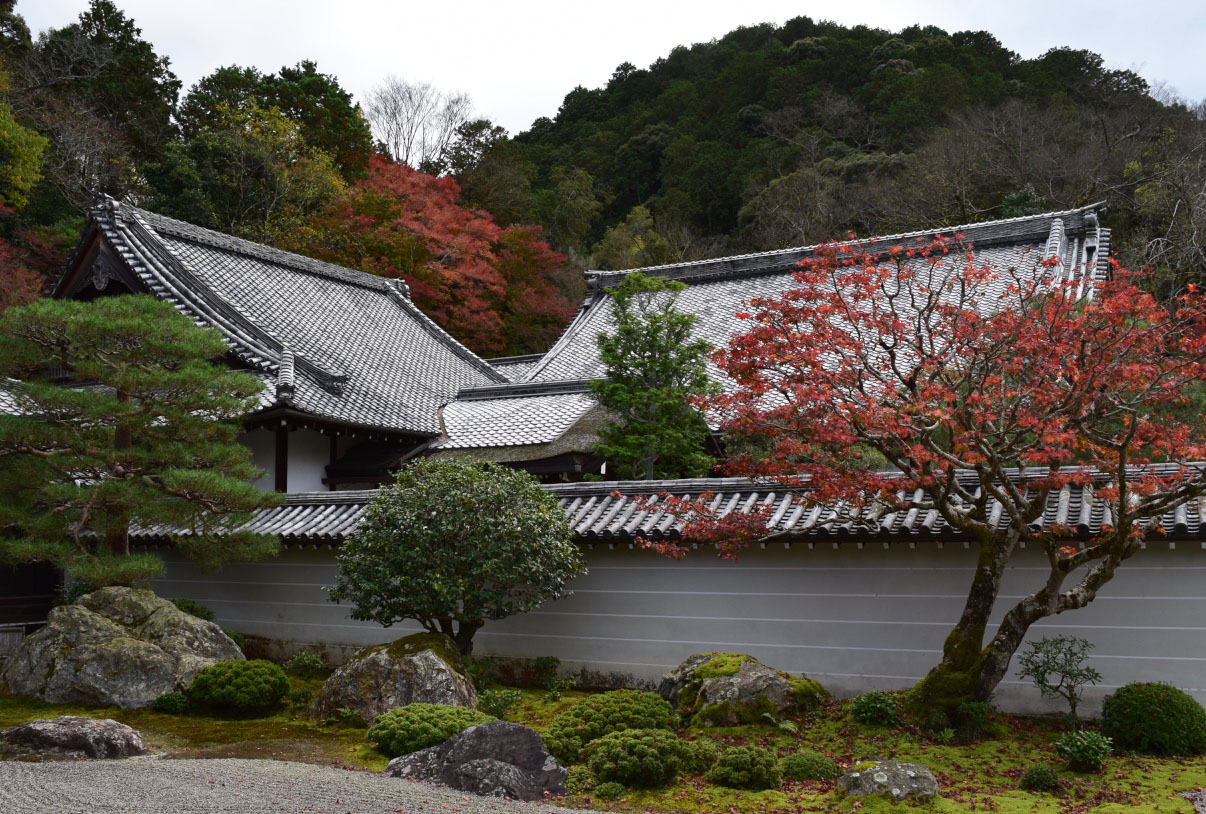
x=718 y=289
x=335 y=343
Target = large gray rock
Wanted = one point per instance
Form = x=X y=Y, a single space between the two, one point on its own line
x=424 y=668
x=730 y=689
x=72 y=735
x=117 y=647
x=899 y=781
x=496 y=759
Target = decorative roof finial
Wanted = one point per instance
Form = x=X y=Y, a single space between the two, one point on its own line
x=285 y=387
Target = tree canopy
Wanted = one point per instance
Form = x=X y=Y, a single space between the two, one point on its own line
x=981 y=387
x=653 y=370
x=454 y=543
x=494 y=289
x=126 y=420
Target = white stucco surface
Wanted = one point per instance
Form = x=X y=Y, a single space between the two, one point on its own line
x=856 y=619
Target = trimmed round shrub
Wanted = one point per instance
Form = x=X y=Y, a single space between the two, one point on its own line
x=809 y=766
x=1039 y=778
x=170 y=703
x=408 y=729
x=610 y=790
x=1085 y=751
x=193 y=608
x=598 y=715
x=876 y=708
x=1154 y=719
x=638 y=758
x=745 y=767
x=305 y=665
x=239 y=687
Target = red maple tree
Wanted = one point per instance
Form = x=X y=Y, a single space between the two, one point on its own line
x=488 y=286
x=922 y=378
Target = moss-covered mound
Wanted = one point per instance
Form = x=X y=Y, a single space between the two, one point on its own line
x=731 y=689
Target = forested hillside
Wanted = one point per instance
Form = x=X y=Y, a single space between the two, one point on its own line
x=771 y=136
x=779 y=136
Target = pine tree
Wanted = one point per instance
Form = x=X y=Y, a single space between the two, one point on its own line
x=654 y=368
x=122 y=421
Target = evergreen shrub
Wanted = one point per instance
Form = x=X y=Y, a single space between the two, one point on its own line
x=745 y=767
x=1039 y=778
x=408 y=729
x=1085 y=751
x=610 y=790
x=305 y=665
x=170 y=703
x=497 y=702
x=599 y=715
x=239 y=687
x=876 y=708
x=808 y=766
x=1154 y=719
x=638 y=758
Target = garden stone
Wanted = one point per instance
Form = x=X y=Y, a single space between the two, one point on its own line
x=116 y=646
x=730 y=689
x=424 y=668
x=898 y=781
x=73 y=735
x=495 y=759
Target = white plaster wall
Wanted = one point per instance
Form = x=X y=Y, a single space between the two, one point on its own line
x=309 y=454
x=854 y=619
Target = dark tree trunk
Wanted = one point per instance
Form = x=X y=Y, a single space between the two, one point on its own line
x=956 y=677
x=461 y=633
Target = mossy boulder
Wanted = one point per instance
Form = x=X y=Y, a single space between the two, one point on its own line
x=731 y=689
x=121 y=647
x=424 y=668
x=894 y=780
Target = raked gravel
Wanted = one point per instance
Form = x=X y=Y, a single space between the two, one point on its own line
x=154 y=785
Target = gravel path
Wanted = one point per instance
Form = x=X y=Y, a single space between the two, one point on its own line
x=1198 y=798
x=153 y=785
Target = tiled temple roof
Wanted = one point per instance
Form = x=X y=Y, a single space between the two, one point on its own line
x=331 y=342
x=717 y=291
x=597 y=514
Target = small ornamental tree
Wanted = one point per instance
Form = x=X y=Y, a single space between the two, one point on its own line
x=653 y=369
x=1057 y=667
x=981 y=387
x=452 y=543
x=124 y=422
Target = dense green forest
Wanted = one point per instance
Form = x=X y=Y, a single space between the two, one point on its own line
x=778 y=136
x=771 y=136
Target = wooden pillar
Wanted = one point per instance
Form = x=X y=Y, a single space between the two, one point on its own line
x=282 y=457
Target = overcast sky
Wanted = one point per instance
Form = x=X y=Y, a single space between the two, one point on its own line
x=518 y=58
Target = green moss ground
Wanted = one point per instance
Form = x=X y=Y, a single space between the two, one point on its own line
x=980 y=776
x=974 y=777
x=287 y=734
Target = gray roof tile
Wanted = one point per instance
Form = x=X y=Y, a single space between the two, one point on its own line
x=524 y=416
x=718 y=289
x=608 y=511
x=338 y=344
